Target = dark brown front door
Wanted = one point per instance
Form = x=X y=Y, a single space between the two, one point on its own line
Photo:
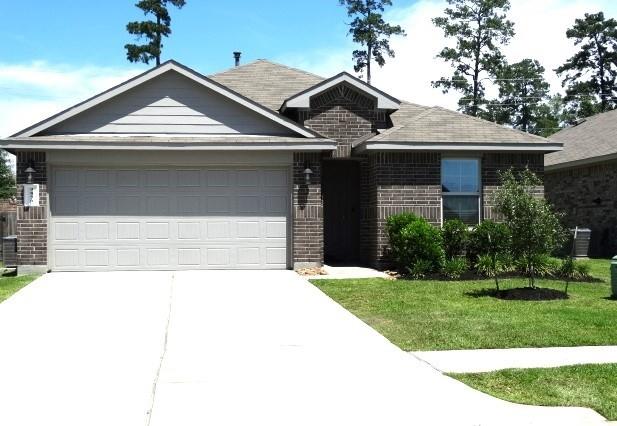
x=341 y=192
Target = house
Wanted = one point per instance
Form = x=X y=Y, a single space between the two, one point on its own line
x=260 y=166
x=581 y=180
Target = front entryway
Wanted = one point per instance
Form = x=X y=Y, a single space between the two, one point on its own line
x=341 y=195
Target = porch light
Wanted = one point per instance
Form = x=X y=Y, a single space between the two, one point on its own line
x=307 y=174
x=30 y=170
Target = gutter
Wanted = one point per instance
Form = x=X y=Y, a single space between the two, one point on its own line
x=368 y=146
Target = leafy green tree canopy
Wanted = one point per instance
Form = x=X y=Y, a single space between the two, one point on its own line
x=7 y=179
x=372 y=32
x=589 y=75
x=522 y=91
x=536 y=229
x=154 y=31
x=480 y=28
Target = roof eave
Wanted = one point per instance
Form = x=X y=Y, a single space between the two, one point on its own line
x=393 y=146
x=581 y=162
x=28 y=144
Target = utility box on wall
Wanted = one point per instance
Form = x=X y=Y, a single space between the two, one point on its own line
x=31 y=195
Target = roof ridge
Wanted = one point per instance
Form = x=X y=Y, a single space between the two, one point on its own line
x=500 y=126
x=267 y=61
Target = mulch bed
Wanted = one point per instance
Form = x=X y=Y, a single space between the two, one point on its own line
x=522 y=293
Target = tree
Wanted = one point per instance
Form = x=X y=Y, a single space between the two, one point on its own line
x=7 y=179
x=153 y=31
x=522 y=91
x=536 y=229
x=591 y=73
x=372 y=32
x=480 y=27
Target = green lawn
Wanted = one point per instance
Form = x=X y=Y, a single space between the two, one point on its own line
x=10 y=285
x=439 y=315
x=592 y=386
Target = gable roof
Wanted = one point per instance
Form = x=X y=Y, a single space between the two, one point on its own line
x=592 y=141
x=415 y=126
x=302 y=99
x=166 y=67
x=266 y=82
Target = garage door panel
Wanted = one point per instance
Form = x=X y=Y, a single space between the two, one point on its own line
x=174 y=218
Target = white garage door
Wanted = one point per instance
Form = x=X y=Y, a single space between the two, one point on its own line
x=168 y=218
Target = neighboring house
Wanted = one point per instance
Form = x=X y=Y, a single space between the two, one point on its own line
x=260 y=166
x=581 y=180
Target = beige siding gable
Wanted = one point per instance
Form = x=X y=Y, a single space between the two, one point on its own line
x=169 y=104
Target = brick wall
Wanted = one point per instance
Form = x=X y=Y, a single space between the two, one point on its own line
x=397 y=182
x=394 y=183
x=344 y=115
x=32 y=221
x=7 y=206
x=493 y=163
x=588 y=197
x=307 y=211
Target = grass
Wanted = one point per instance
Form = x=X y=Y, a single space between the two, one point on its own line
x=592 y=386
x=440 y=315
x=10 y=285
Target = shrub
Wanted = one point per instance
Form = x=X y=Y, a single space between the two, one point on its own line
x=492 y=266
x=489 y=238
x=538 y=265
x=536 y=231
x=455 y=238
x=413 y=239
x=420 y=269
x=454 y=268
x=571 y=270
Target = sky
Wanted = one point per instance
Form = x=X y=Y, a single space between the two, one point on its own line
x=56 y=53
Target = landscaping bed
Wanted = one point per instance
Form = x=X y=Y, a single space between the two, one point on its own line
x=593 y=386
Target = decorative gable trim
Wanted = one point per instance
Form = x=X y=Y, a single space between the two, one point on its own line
x=303 y=99
x=151 y=74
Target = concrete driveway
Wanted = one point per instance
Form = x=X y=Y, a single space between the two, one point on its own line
x=219 y=348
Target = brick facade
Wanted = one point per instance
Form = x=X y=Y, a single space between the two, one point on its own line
x=308 y=243
x=493 y=163
x=32 y=221
x=587 y=196
x=344 y=115
x=8 y=206
x=396 y=183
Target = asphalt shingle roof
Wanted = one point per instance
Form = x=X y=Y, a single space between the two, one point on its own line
x=596 y=137
x=414 y=123
x=267 y=83
x=270 y=84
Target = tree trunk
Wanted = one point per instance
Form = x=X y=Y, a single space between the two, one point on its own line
x=601 y=72
x=368 y=64
x=158 y=40
x=476 y=71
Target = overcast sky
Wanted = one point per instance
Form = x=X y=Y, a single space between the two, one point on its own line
x=55 y=54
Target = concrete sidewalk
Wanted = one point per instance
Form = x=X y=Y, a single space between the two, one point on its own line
x=484 y=360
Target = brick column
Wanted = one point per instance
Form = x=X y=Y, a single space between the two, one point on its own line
x=32 y=221
x=307 y=212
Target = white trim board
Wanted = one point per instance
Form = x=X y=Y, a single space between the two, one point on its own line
x=302 y=99
x=478 y=147
x=151 y=74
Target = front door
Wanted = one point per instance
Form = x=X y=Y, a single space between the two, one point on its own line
x=341 y=192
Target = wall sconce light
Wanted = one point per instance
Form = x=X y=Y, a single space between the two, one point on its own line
x=30 y=170
x=307 y=173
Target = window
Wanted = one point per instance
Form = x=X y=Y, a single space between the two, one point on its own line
x=460 y=184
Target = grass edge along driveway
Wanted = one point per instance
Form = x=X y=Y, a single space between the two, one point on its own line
x=593 y=386
x=9 y=285
x=443 y=315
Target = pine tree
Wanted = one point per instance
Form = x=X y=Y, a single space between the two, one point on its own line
x=591 y=73
x=7 y=179
x=154 y=31
x=372 y=32
x=522 y=92
x=480 y=27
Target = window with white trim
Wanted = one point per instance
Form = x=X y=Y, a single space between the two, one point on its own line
x=460 y=184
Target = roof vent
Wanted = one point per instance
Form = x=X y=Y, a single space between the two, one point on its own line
x=579 y=121
x=237 y=58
